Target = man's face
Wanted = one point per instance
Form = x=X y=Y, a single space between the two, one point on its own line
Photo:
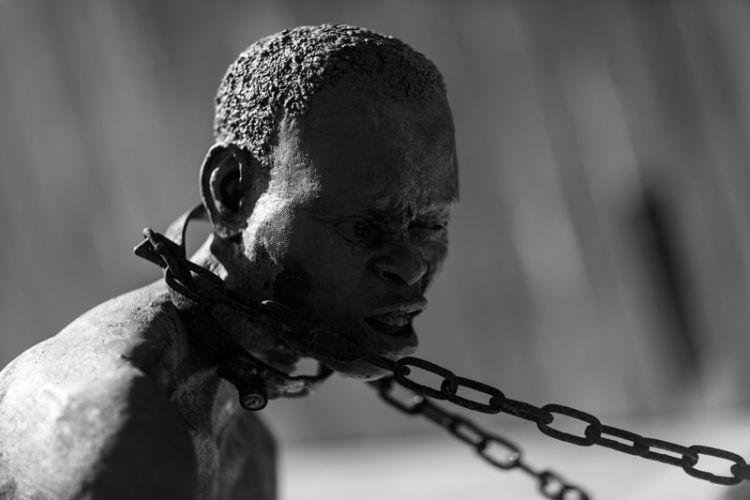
x=356 y=215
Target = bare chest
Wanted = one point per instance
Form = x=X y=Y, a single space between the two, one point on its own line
x=239 y=463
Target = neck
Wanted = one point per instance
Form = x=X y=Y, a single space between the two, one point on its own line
x=203 y=395
x=244 y=281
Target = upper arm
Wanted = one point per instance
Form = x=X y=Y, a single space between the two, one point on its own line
x=149 y=455
x=115 y=437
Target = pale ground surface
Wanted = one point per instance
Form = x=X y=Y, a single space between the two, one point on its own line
x=439 y=468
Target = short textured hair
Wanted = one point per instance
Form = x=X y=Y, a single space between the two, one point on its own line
x=278 y=76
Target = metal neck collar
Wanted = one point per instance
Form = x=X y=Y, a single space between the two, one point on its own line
x=255 y=380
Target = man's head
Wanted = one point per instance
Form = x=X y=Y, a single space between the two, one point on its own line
x=332 y=179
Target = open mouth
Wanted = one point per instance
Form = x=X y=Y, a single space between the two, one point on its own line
x=391 y=324
x=395 y=319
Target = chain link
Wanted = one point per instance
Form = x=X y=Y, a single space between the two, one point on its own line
x=594 y=432
x=493 y=448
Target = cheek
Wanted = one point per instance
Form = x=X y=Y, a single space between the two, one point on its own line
x=269 y=228
x=276 y=234
x=434 y=254
x=435 y=250
x=337 y=266
x=334 y=272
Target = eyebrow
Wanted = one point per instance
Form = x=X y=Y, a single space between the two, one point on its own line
x=326 y=212
x=395 y=213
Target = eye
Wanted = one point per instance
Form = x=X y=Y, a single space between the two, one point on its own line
x=429 y=228
x=363 y=230
x=356 y=230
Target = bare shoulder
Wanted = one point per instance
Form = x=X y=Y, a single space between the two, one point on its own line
x=79 y=419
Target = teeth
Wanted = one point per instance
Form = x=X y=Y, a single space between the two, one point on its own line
x=394 y=319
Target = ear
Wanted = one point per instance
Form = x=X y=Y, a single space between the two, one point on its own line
x=231 y=183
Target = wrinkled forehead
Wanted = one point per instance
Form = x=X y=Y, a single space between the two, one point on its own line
x=360 y=149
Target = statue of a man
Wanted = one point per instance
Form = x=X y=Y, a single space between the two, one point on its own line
x=328 y=190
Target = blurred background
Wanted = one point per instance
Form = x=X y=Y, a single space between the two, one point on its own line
x=600 y=254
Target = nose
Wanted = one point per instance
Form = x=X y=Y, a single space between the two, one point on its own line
x=401 y=265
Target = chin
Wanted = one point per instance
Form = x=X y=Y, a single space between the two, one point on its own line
x=372 y=340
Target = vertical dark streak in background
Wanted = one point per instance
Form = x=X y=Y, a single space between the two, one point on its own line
x=662 y=259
